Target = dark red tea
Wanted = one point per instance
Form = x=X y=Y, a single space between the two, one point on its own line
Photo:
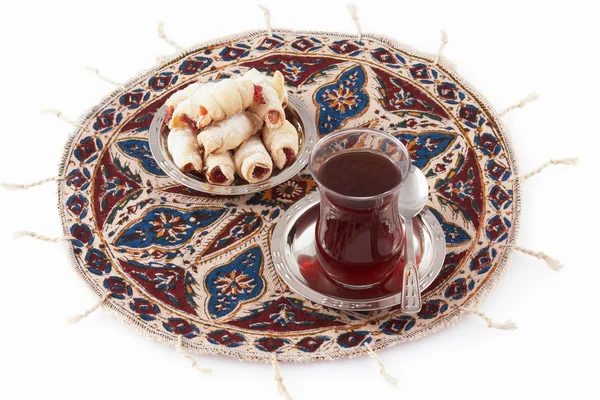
x=359 y=174
x=361 y=237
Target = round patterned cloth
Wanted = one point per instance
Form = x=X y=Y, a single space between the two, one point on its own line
x=179 y=262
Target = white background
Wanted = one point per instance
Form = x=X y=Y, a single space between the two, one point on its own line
x=506 y=49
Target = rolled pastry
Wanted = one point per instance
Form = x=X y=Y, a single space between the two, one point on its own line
x=252 y=161
x=177 y=98
x=266 y=104
x=219 y=168
x=277 y=82
x=183 y=146
x=213 y=102
x=282 y=144
x=229 y=133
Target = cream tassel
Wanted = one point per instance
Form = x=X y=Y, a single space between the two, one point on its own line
x=443 y=44
x=163 y=36
x=58 y=114
x=42 y=237
x=183 y=353
x=563 y=161
x=353 y=10
x=507 y=326
x=553 y=263
x=18 y=186
x=282 y=389
x=96 y=71
x=76 y=318
x=267 y=15
x=532 y=96
x=392 y=380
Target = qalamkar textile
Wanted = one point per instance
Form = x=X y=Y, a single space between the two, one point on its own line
x=180 y=263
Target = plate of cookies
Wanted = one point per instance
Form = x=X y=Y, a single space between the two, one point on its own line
x=233 y=136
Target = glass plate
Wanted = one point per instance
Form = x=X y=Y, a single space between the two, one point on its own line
x=296 y=112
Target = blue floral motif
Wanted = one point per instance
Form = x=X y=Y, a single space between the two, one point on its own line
x=132 y=100
x=106 y=121
x=144 y=309
x=78 y=205
x=166 y=227
x=482 y=262
x=396 y=326
x=79 y=178
x=455 y=235
x=87 y=149
x=97 y=262
x=230 y=53
x=139 y=149
x=270 y=43
x=342 y=100
x=426 y=146
x=354 y=338
x=233 y=284
x=162 y=81
x=194 y=64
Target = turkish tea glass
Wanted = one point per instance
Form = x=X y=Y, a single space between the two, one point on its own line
x=359 y=239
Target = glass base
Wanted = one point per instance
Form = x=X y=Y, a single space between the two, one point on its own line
x=356 y=287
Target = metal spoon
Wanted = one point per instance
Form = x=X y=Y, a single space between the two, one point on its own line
x=412 y=199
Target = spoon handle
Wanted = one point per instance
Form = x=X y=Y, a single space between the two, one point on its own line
x=411 y=292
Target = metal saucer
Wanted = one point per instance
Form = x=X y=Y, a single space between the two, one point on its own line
x=293 y=252
x=296 y=112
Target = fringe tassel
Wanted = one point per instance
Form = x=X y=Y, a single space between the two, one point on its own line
x=443 y=44
x=18 y=186
x=182 y=352
x=282 y=388
x=163 y=36
x=61 y=116
x=267 y=15
x=507 y=326
x=353 y=10
x=96 y=71
x=532 y=97
x=392 y=380
x=563 y=161
x=76 y=318
x=553 y=263
x=34 y=235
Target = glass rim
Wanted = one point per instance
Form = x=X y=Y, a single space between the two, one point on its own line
x=342 y=132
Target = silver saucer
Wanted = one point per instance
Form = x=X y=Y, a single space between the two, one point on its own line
x=294 y=256
x=296 y=112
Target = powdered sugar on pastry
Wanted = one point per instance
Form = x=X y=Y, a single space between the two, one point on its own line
x=252 y=161
x=183 y=146
x=230 y=133
x=198 y=110
x=178 y=97
x=214 y=101
x=277 y=82
x=219 y=168
x=266 y=104
x=282 y=144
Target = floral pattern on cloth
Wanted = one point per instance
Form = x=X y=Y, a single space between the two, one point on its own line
x=181 y=262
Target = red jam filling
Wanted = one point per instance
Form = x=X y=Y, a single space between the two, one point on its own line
x=290 y=157
x=258 y=96
x=273 y=117
x=217 y=176
x=188 y=167
x=169 y=114
x=260 y=172
x=189 y=121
